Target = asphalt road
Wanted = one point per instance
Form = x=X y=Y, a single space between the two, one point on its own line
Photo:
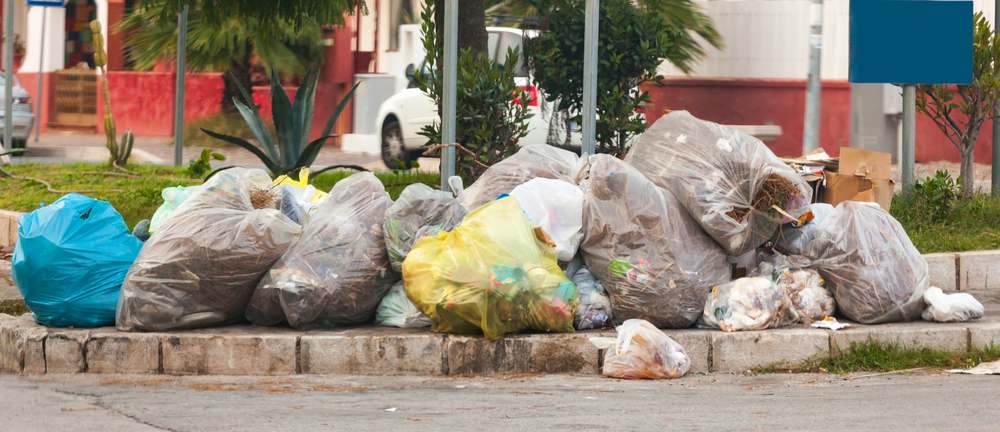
x=930 y=401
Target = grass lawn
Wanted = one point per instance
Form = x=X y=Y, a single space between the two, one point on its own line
x=950 y=225
x=874 y=356
x=140 y=197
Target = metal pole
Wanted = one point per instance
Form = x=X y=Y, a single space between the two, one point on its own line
x=41 y=67
x=909 y=132
x=814 y=89
x=996 y=112
x=591 y=21
x=179 y=98
x=8 y=72
x=450 y=80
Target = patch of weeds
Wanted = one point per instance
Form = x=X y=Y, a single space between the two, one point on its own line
x=937 y=219
x=876 y=356
x=12 y=307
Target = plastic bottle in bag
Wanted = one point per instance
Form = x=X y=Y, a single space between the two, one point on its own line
x=728 y=180
x=338 y=270
x=419 y=212
x=869 y=264
x=642 y=351
x=595 y=305
x=654 y=260
x=70 y=260
x=200 y=268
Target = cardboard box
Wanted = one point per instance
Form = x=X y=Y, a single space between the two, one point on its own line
x=862 y=175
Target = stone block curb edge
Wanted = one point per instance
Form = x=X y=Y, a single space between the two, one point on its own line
x=28 y=348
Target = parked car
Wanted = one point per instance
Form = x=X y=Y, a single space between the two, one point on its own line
x=401 y=117
x=23 y=118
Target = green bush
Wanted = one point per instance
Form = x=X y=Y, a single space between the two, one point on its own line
x=491 y=110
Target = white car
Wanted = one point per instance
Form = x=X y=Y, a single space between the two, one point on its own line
x=401 y=117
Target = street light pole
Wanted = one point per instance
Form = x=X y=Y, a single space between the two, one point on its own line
x=41 y=67
x=590 y=35
x=814 y=86
x=8 y=72
x=449 y=80
x=179 y=97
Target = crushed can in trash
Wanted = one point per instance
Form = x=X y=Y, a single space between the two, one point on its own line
x=642 y=351
x=490 y=275
x=70 y=260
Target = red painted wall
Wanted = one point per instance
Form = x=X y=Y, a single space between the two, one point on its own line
x=759 y=102
x=143 y=102
x=30 y=83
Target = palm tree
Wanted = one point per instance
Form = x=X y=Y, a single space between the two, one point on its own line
x=221 y=45
x=680 y=14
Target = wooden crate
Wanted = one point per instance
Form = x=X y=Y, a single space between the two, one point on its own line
x=76 y=97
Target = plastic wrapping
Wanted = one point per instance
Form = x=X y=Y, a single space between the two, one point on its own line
x=70 y=260
x=654 y=260
x=530 y=162
x=491 y=274
x=752 y=303
x=956 y=307
x=719 y=174
x=173 y=197
x=420 y=211
x=200 y=268
x=557 y=207
x=395 y=310
x=642 y=351
x=803 y=285
x=869 y=264
x=792 y=240
x=595 y=305
x=338 y=270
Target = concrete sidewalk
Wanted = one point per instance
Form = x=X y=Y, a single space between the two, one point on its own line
x=26 y=347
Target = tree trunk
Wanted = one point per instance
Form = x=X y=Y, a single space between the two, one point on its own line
x=471 y=24
x=968 y=175
x=239 y=71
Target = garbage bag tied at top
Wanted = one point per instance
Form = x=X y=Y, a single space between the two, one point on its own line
x=719 y=174
x=650 y=256
x=70 y=260
x=530 y=162
x=338 y=270
x=201 y=266
x=492 y=275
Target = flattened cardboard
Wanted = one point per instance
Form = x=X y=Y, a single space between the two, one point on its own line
x=840 y=188
x=865 y=163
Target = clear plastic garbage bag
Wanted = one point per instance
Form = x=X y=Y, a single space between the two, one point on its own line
x=555 y=206
x=530 y=162
x=70 y=260
x=720 y=175
x=957 y=307
x=654 y=260
x=803 y=285
x=396 y=310
x=642 y=351
x=338 y=270
x=200 y=268
x=868 y=262
x=491 y=274
x=172 y=198
x=752 y=303
x=792 y=240
x=419 y=212
x=595 y=305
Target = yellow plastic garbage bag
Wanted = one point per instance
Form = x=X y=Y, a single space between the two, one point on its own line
x=491 y=274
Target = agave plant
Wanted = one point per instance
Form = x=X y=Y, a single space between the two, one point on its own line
x=292 y=122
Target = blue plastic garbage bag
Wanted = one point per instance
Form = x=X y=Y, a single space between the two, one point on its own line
x=70 y=261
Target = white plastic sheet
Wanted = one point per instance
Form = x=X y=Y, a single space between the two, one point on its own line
x=956 y=307
x=557 y=207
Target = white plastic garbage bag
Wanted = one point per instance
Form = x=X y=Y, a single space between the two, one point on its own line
x=753 y=303
x=530 y=162
x=595 y=305
x=557 y=207
x=642 y=351
x=395 y=310
x=869 y=264
x=792 y=240
x=720 y=175
x=956 y=307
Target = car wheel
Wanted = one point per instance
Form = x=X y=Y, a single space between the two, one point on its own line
x=18 y=144
x=392 y=146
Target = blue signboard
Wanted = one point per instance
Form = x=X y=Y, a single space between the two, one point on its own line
x=911 y=42
x=47 y=3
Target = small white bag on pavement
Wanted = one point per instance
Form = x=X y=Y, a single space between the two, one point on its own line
x=956 y=307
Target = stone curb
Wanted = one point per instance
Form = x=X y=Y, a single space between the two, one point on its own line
x=28 y=348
